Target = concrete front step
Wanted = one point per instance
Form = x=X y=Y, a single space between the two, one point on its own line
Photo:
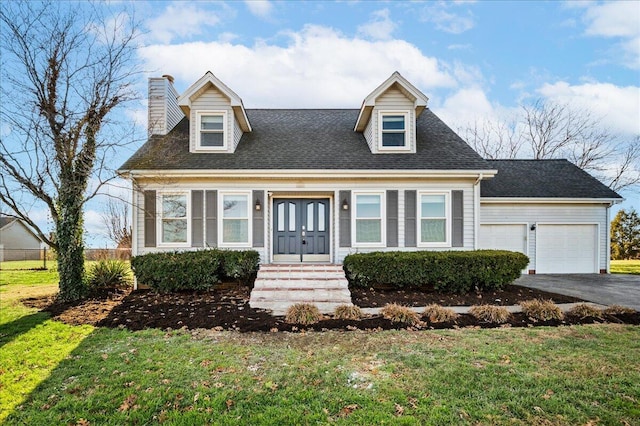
x=279 y=286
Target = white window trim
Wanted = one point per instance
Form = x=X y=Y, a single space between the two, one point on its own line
x=407 y=134
x=221 y=242
x=383 y=219
x=225 y=131
x=159 y=218
x=448 y=219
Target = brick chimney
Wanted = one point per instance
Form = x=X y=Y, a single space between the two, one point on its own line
x=164 y=112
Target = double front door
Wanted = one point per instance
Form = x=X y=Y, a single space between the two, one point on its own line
x=301 y=230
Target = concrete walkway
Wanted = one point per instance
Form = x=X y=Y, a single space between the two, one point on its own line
x=604 y=289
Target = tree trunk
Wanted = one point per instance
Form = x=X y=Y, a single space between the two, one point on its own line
x=69 y=228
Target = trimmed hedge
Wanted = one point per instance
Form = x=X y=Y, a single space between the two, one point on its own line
x=194 y=270
x=446 y=271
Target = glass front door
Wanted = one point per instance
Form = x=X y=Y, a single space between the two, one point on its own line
x=301 y=230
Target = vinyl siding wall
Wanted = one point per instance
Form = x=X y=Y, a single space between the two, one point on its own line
x=549 y=213
x=394 y=100
x=212 y=99
x=316 y=189
x=164 y=112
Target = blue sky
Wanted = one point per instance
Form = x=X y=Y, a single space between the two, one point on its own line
x=474 y=60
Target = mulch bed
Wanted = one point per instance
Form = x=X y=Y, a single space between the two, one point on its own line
x=227 y=308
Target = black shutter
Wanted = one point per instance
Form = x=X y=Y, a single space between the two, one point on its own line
x=149 y=218
x=410 y=229
x=211 y=214
x=345 y=218
x=197 y=219
x=457 y=235
x=258 y=218
x=392 y=218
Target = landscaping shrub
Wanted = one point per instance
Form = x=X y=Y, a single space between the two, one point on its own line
x=584 y=310
x=109 y=274
x=542 y=310
x=348 y=312
x=446 y=271
x=437 y=313
x=399 y=313
x=303 y=313
x=194 y=270
x=618 y=310
x=490 y=313
x=240 y=265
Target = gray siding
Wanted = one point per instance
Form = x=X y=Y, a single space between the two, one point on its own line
x=164 y=113
x=197 y=219
x=211 y=99
x=392 y=218
x=410 y=220
x=149 y=218
x=345 y=219
x=258 y=218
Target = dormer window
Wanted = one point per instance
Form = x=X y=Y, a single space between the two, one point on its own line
x=393 y=135
x=212 y=130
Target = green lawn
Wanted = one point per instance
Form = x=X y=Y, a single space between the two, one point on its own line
x=625 y=267
x=53 y=373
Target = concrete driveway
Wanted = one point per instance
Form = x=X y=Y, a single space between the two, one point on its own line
x=605 y=289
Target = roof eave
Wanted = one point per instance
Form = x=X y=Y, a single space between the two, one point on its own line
x=550 y=200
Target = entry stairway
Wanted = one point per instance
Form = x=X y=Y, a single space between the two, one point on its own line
x=279 y=286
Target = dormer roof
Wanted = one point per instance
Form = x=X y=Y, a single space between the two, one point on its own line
x=200 y=86
x=418 y=98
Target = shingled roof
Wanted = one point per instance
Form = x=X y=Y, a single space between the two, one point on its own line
x=543 y=179
x=309 y=139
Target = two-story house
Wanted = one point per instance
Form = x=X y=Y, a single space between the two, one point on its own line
x=313 y=185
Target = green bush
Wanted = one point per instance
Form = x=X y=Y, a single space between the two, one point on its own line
x=446 y=271
x=194 y=270
x=109 y=274
x=240 y=265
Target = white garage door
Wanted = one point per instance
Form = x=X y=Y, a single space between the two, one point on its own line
x=504 y=237
x=565 y=249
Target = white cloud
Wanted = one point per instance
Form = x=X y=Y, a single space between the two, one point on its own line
x=447 y=21
x=180 y=20
x=464 y=107
x=618 y=106
x=319 y=67
x=259 y=8
x=619 y=20
x=380 y=27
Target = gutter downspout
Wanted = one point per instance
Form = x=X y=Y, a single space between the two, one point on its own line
x=476 y=211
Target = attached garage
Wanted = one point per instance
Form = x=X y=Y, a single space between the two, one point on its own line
x=511 y=237
x=567 y=248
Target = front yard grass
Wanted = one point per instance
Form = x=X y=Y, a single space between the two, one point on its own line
x=53 y=373
x=625 y=267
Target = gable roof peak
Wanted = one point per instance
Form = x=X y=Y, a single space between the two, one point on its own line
x=184 y=100
x=409 y=90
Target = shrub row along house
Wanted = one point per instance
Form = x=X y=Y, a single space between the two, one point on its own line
x=314 y=185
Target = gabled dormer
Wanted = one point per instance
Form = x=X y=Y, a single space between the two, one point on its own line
x=217 y=118
x=388 y=116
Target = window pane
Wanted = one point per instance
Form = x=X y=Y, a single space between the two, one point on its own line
x=393 y=139
x=174 y=231
x=310 y=217
x=393 y=122
x=432 y=231
x=433 y=206
x=211 y=139
x=321 y=225
x=235 y=206
x=368 y=231
x=235 y=230
x=211 y=122
x=367 y=206
x=174 y=206
x=281 y=217
x=292 y=217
